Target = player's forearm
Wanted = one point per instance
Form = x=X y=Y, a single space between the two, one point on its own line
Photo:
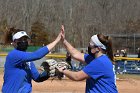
x=71 y=75
x=73 y=51
x=42 y=77
x=51 y=45
x=70 y=48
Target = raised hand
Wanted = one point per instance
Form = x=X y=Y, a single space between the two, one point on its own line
x=63 y=32
x=59 y=37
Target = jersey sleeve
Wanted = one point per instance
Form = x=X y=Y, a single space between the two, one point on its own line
x=34 y=72
x=88 y=58
x=94 y=70
x=19 y=57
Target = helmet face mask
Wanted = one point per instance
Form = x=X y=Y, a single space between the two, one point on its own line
x=21 y=40
x=22 y=43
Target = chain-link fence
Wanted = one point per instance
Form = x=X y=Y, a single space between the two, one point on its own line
x=130 y=42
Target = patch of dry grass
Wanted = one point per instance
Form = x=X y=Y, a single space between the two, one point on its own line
x=129 y=76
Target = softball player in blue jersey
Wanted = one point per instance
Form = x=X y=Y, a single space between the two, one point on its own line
x=19 y=70
x=99 y=74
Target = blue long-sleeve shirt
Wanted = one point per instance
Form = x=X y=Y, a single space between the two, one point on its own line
x=19 y=70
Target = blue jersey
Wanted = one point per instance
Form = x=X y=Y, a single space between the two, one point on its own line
x=19 y=70
x=102 y=77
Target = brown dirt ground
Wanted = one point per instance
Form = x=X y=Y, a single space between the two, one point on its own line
x=68 y=86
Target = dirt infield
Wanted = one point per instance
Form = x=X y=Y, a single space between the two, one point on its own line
x=68 y=86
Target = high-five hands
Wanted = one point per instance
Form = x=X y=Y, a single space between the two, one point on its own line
x=62 y=32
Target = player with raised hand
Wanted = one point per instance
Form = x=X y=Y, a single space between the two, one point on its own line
x=98 y=73
x=19 y=70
